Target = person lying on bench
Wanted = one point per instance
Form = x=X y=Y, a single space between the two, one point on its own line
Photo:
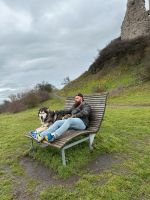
x=79 y=120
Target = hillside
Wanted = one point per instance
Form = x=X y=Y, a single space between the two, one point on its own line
x=122 y=67
x=118 y=168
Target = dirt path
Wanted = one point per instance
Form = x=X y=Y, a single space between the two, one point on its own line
x=41 y=176
x=44 y=177
x=104 y=162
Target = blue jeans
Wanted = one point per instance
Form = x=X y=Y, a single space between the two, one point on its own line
x=61 y=126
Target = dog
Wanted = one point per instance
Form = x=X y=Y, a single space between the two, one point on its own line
x=47 y=117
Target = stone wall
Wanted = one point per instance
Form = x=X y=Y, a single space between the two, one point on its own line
x=136 y=22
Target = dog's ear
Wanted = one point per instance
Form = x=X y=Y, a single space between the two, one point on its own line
x=44 y=109
x=47 y=110
x=39 y=111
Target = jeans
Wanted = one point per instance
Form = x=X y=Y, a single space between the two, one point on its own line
x=61 y=126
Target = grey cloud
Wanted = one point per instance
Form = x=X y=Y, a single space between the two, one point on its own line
x=49 y=40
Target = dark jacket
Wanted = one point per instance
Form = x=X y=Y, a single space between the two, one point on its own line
x=82 y=111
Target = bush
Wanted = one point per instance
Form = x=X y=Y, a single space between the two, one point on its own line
x=4 y=106
x=44 y=86
x=98 y=89
x=16 y=106
x=32 y=98
x=144 y=75
x=43 y=95
x=118 y=50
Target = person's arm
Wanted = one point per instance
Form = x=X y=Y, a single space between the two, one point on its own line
x=64 y=112
x=84 y=112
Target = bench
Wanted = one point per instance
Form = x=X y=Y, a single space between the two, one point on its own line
x=98 y=105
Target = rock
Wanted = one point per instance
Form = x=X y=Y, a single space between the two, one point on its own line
x=136 y=22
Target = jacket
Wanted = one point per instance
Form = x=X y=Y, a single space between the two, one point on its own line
x=82 y=111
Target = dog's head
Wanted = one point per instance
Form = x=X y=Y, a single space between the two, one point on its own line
x=45 y=115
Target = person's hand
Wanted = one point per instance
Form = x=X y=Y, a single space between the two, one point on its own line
x=56 y=112
x=74 y=116
x=66 y=116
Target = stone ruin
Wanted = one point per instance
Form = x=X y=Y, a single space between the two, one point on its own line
x=137 y=20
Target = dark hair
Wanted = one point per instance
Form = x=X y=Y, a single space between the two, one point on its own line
x=80 y=95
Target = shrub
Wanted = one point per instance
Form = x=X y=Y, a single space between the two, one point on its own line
x=4 y=106
x=98 y=89
x=144 y=75
x=16 y=106
x=44 y=86
x=43 y=95
x=118 y=50
x=32 y=98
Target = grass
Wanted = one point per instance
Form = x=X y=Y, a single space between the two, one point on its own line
x=127 y=180
x=137 y=95
x=122 y=82
x=124 y=133
x=14 y=145
x=105 y=80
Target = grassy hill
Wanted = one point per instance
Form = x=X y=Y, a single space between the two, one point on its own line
x=122 y=68
x=118 y=168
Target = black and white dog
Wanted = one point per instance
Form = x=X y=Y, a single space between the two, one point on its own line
x=47 y=117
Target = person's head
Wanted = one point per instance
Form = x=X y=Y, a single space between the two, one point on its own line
x=78 y=98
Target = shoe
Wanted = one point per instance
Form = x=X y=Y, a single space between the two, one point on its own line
x=49 y=137
x=33 y=134
x=39 y=138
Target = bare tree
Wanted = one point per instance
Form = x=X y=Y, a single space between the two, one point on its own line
x=66 y=80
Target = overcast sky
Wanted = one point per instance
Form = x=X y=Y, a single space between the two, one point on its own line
x=50 y=40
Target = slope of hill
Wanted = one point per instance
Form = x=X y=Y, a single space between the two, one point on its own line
x=118 y=168
x=122 y=67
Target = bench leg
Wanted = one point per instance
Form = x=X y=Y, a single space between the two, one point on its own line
x=63 y=156
x=71 y=145
x=91 y=139
x=31 y=147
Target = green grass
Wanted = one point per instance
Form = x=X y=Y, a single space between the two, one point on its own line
x=137 y=95
x=14 y=145
x=127 y=180
x=125 y=79
x=124 y=132
x=106 y=79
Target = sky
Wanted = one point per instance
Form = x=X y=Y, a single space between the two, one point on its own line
x=50 y=40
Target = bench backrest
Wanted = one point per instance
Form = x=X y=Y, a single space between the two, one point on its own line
x=97 y=103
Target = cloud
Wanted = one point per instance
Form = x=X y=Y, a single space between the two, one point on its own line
x=10 y=20
x=49 y=40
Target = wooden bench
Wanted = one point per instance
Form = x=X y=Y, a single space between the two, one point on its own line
x=98 y=104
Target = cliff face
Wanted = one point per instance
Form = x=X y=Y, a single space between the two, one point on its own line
x=136 y=22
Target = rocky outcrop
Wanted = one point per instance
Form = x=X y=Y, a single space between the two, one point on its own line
x=136 y=22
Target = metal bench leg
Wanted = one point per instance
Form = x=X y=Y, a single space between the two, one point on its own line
x=91 y=139
x=63 y=156
x=31 y=146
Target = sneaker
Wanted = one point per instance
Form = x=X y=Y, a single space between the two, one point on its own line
x=39 y=138
x=33 y=134
x=49 y=137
